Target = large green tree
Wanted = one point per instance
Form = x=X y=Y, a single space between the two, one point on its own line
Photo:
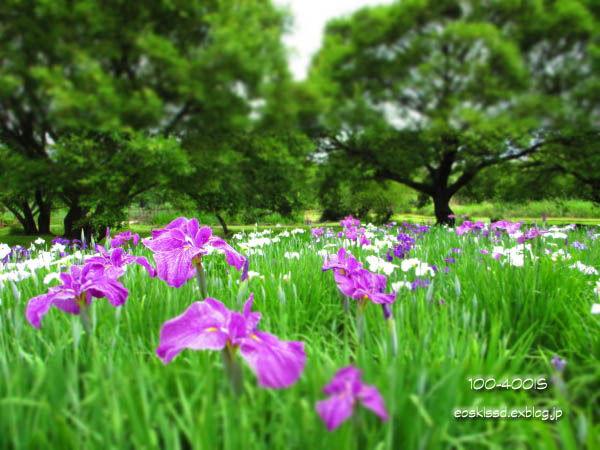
x=92 y=67
x=430 y=92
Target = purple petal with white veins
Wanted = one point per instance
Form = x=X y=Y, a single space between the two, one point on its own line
x=107 y=287
x=37 y=309
x=335 y=410
x=163 y=243
x=142 y=261
x=203 y=235
x=201 y=326
x=371 y=399
x=344 y=378
x=252 y=318
x=278 y=364
x=175 y=266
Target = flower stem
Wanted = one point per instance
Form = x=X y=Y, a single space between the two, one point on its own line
x=84 y=314
x=360 y=319
x=389 y=319
x=233 y=369
x=393 y=336
x=345 y=302
x=201 y=276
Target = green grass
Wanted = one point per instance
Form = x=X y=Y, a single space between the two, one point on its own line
x=62 y=388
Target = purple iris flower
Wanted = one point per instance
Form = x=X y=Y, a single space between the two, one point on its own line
x=350 y=233
x=483 y=251
x=400 y=251
x=370 y=286
x=123 y=237
x=61 y=241
x=111 y=262
x=77 y=290
x=530 y=234
x=349 y=222
x=579 y=245
x=510 y=227
x=420 y=282
x=345 y=267
x=345 y=389
x=17 y=254
x=455 y=250
x=317 y=231
x=179 y=247
x=450 y=260
x=209 y=325
x=76 y=243
x=558 y=363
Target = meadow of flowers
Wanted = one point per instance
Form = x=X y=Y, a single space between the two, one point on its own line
x=358 y=337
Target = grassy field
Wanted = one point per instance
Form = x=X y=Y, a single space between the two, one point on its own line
x=63 y=388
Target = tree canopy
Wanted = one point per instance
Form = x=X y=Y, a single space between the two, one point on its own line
x=95 y=68
x=429 y=93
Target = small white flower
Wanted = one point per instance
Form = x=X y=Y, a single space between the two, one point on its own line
x=252 y=274
x=51 y=276
x=588 y=270
x=284 y=234
x=377 y=264
x=290 y=255
x=408 y=264
x=57 y=248
x=39 y=241
x=424 y=269
x=298 y=230
x=555 y=235
x=400 y=284
x=322 y=253
x=560 y=253
x=287 y=276
x=4 y=250
x=596 y=308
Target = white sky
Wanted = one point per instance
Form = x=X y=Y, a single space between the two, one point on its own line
x=310 y=17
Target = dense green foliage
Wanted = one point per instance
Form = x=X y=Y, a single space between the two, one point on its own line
x=429 y=93
x=140 y=71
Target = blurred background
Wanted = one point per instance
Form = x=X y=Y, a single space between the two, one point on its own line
x=124 y=114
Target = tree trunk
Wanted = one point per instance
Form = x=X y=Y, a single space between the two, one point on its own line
x=441 y=205
x=223 y=224
x=44 y=215
x=73 y=221
x=28 y=220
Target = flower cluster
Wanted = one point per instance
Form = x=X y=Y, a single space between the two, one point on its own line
x=402 y=249
x=14 y=254
x=356 y=282
x=509 y=227
x=352 y=232
x=468 y=226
